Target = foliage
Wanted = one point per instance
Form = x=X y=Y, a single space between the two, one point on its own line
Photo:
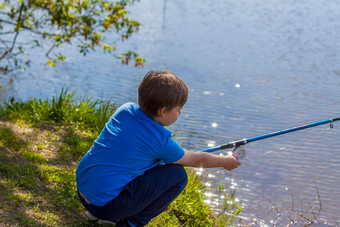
x=189 y=208
x=39 y=153
x=61 y=108
x=26 y=24
x=231 y=208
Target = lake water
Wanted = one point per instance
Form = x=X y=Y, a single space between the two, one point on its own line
x=252 y=67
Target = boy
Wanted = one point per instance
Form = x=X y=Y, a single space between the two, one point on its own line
x=134 y=169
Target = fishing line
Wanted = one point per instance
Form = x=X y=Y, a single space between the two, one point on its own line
x=240 y=152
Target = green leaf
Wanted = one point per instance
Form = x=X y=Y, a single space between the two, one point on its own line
x=51 y=62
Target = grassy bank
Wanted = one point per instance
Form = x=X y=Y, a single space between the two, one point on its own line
x=41 y=142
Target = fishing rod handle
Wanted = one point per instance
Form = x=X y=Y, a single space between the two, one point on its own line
x=231 y=144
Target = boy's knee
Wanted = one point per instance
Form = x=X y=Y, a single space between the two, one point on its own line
x=180 y=173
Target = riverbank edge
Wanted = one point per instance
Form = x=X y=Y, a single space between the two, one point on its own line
x=41 y=142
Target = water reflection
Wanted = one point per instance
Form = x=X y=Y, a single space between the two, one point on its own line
x=211 y=143
x=214 y=124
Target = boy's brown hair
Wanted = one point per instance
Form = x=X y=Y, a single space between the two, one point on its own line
x=161 y=89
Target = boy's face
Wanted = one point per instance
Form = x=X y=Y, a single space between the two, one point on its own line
x=168 y=117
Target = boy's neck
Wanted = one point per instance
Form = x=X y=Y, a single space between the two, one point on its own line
x=158 y=120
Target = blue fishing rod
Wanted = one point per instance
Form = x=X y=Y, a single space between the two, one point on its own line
x=240 y=153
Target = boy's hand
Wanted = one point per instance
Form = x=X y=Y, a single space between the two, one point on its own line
x=231 y=162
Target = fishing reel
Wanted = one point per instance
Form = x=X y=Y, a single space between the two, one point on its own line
x=240 y=153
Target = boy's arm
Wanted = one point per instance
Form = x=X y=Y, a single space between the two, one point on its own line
x=208 y=160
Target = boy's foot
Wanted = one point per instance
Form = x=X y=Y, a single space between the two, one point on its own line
x=99 y=221
x=106 y=222
x=90 y=216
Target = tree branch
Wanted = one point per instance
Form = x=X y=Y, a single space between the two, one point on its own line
x=16 y=35
x=49 y=51
x=28 y=28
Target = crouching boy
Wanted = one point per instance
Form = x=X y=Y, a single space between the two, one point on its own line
x=134 y=169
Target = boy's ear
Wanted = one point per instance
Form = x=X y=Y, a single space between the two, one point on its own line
x=161 y=112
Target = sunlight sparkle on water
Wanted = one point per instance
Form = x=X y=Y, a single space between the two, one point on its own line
x=211 y=143
x=214 y=124
x=199 y=171
x=237 y=85
x=233 y=184
x=216 y=203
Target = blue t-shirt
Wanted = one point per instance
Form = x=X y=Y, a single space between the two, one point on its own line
x=130 y=143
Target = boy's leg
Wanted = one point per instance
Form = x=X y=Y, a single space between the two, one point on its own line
x=146 y=196
x=156 y=190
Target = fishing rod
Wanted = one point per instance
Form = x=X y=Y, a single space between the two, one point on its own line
x=240 y=153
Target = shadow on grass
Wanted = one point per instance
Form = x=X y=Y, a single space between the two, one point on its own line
x=36 y=191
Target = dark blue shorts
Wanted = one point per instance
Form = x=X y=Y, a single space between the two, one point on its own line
x=143 y=198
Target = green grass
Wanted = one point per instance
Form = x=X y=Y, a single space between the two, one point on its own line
x=41 y=142
x=62 y=108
